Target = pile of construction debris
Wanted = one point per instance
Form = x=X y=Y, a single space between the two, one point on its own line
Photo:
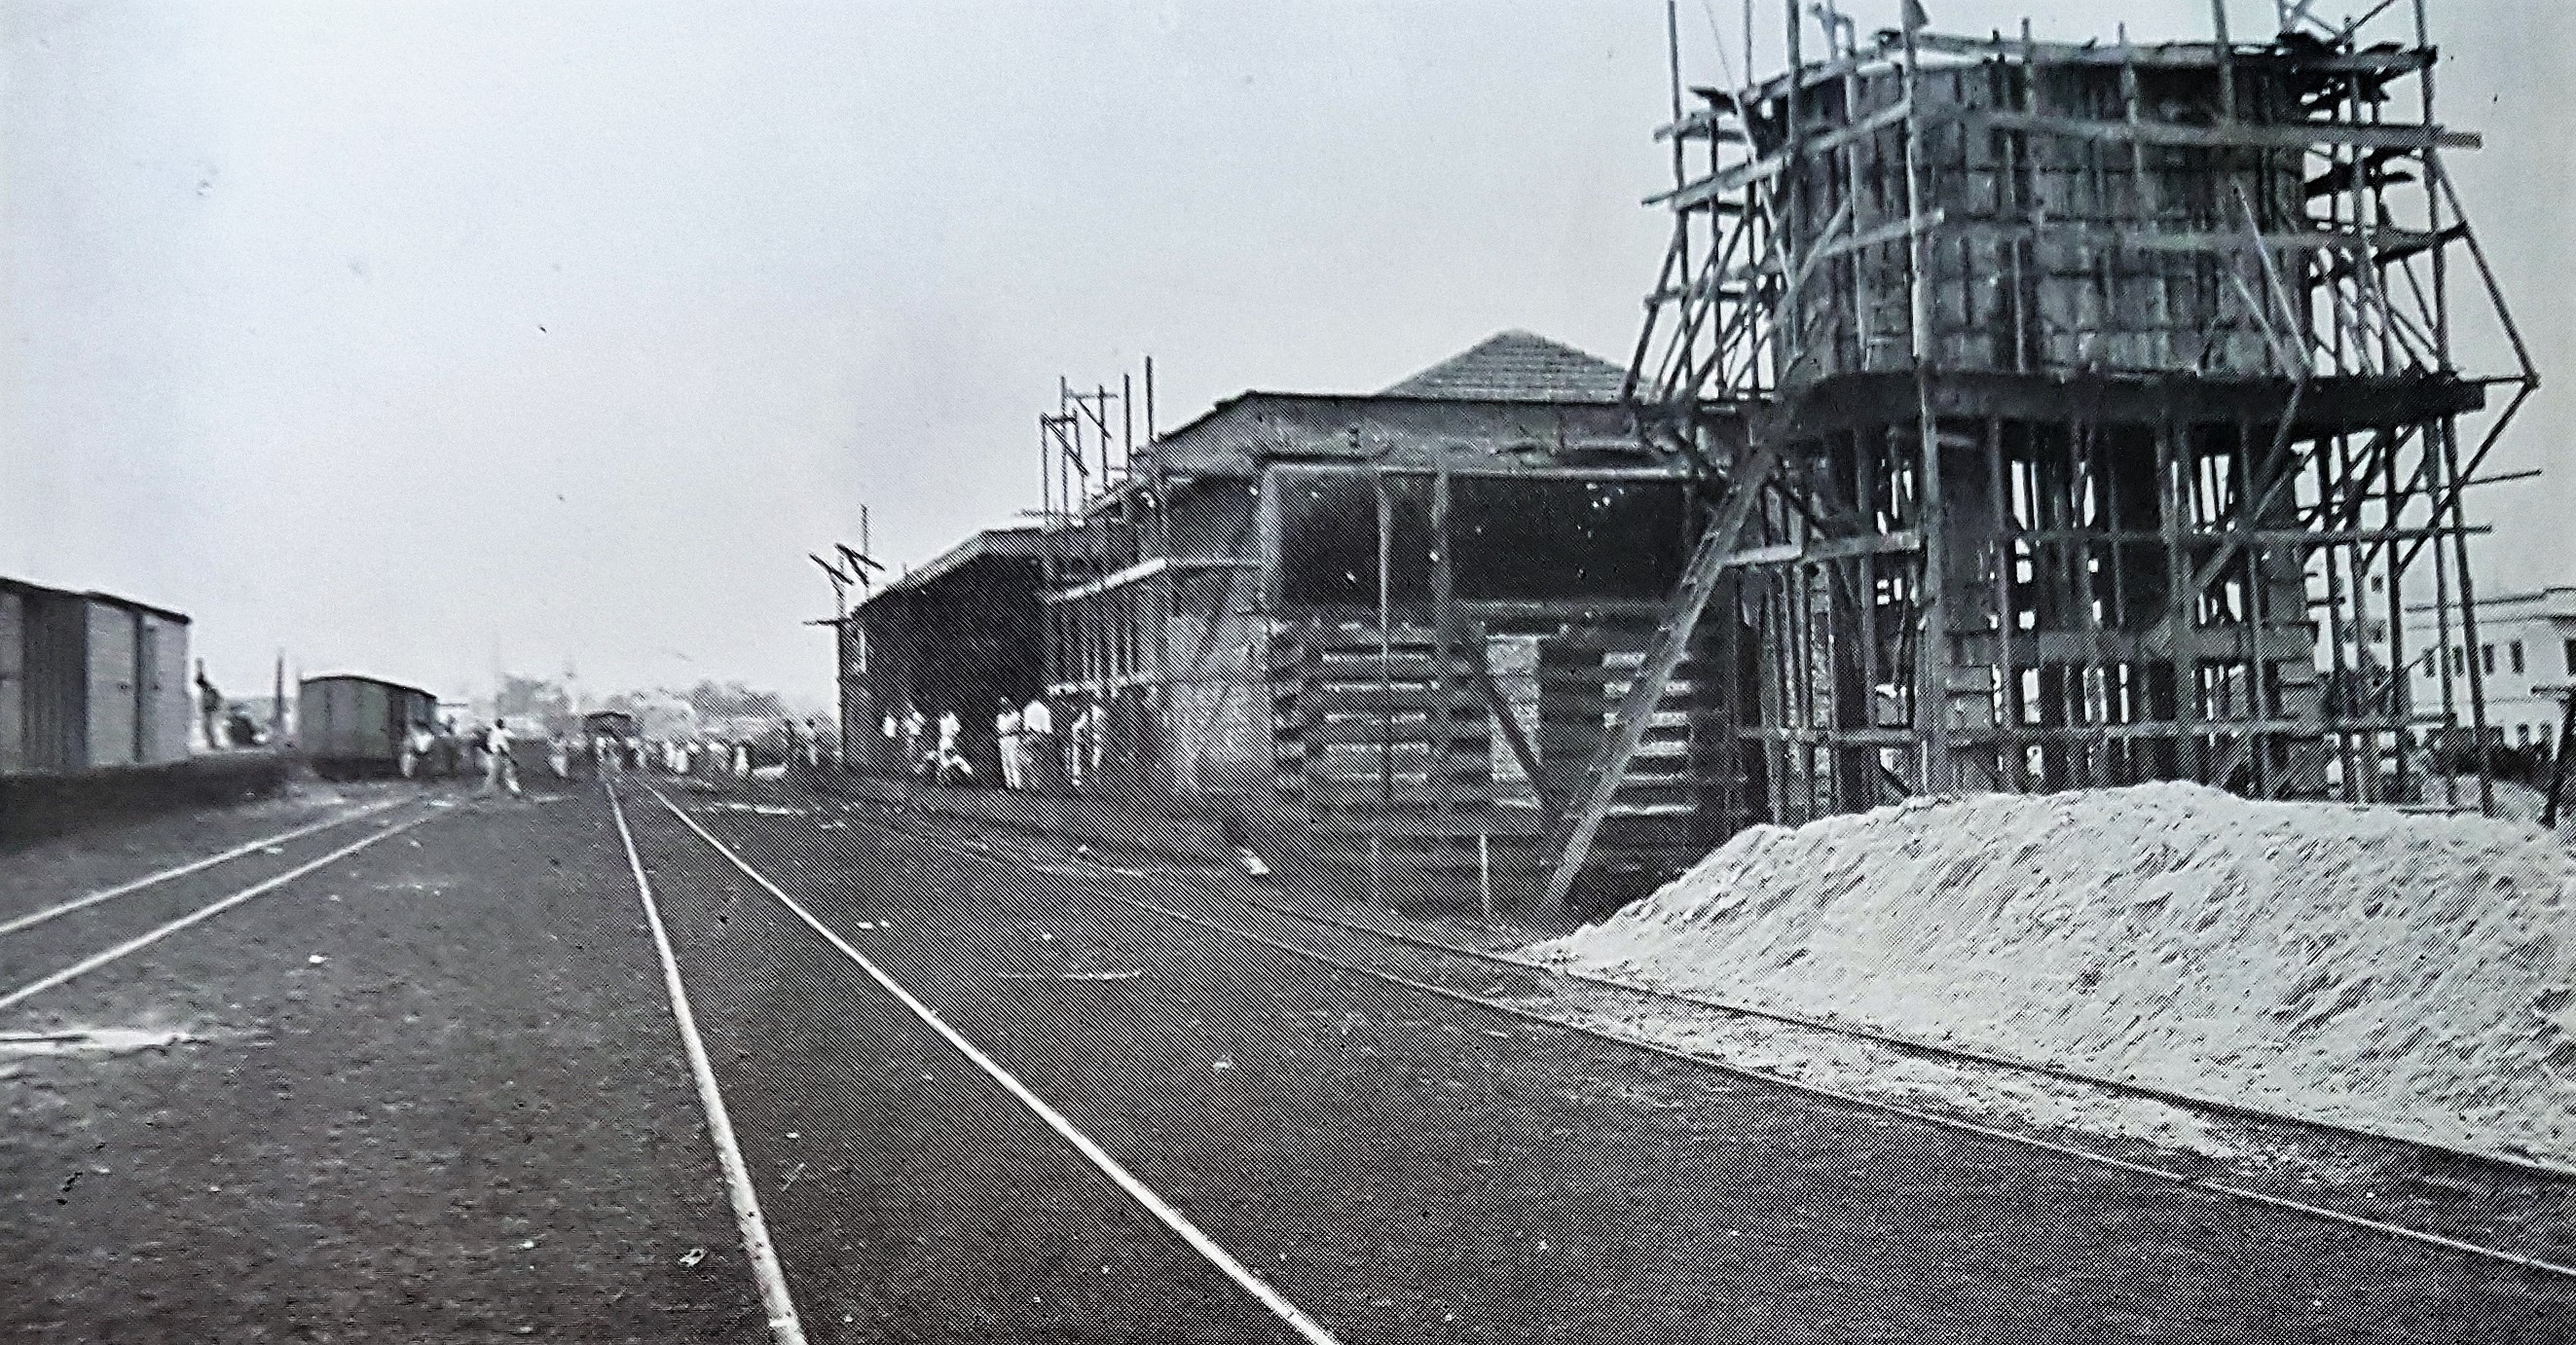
x=2404 y=973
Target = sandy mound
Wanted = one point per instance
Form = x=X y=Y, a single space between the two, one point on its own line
x=2403 y=973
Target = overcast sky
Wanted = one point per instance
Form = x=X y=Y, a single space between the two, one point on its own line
x=416 y=337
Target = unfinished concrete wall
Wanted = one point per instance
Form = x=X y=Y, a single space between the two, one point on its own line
x=1214 y=731
x=2057 y=250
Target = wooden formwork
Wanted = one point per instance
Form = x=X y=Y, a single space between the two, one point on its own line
x=2101 y=404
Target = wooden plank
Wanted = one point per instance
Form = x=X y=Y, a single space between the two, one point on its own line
x=1325 y=700
x=1464 y=825
x=1369 y=731
x=1365 y=794
x=2239 y=135
x=2146 y=237
x=1738 y=176
x=1421 y=668
x=1576 y=677
x=2173 y=56
x=1144 y=570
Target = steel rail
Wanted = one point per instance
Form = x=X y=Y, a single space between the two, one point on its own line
x=205 y=912
x=1305 y=1326
x=81 y=903
x=1913 y=1045
x=785 y=1327
x=2170 y=1176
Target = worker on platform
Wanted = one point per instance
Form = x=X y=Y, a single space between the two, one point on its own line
x=953 y=768
x=916 y=754
x=500 y=771
x=1043 y=761
x=1006 y=738
x=1083 y=735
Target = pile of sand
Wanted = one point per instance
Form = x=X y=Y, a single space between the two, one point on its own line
x=2403 y=973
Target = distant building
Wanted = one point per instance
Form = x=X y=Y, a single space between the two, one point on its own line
x=2526 y=646
x=661 y=716
x=958 y=635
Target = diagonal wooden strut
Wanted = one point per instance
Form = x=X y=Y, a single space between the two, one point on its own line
x=1672 y=639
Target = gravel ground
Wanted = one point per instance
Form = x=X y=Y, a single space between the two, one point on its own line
x=467 y=1120
x=2492 y=1204
x=450 y=1105
x=1410 y=1168
x=53 y=870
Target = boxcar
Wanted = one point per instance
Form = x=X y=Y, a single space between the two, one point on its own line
x=89 y=680
x=349 y=725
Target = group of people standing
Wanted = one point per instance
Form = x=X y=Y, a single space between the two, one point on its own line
x=443 y=751
x=1027 y=751
x=1025 y=741
x=491 y=752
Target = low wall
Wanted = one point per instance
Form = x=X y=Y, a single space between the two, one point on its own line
x=1144 y=826
x=1207 y=830
x=36 y=806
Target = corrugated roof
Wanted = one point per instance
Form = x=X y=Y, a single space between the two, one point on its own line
x=1517 y=366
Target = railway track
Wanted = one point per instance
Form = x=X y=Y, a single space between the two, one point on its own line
x=46 y=948
x=785 y=1325
x=2556 y=1264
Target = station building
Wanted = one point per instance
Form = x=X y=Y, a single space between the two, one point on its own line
x=1394 y=623
x=2524 y=651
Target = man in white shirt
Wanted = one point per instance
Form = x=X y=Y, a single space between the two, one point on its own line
x=1042 y=765
x=415 y=748
x=499 y=771
x=1084 y=733
x=1006 y=735
x=953 y=768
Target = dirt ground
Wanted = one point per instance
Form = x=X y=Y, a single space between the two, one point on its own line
x=434 y=1092
x=434 y=1095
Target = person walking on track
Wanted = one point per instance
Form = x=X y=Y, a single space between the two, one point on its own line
x=499 y=771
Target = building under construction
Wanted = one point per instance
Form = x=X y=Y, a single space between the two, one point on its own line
x=2069 y=415
x=1396 y=623
x=2008 y=415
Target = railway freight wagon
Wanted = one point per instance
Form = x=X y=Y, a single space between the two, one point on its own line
x=88 y=681
x=350 y=726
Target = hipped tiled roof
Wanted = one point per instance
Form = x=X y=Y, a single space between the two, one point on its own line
x=1517 y=366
